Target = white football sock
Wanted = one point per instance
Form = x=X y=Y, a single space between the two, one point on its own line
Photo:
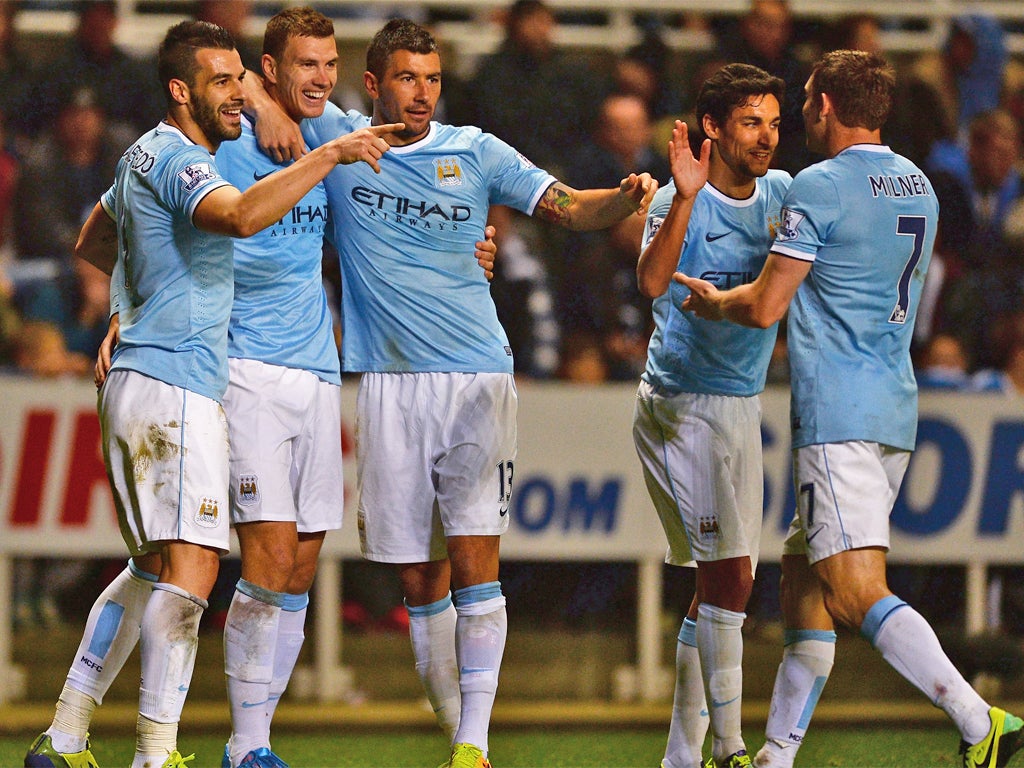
x=111 y=632
x=169 y=639
x=250 y=637
x=689 y=724
x=907 y=641
x=480 y=634
x=807 y=659
x=290 y=636
x=432 y=633
x=720 y=645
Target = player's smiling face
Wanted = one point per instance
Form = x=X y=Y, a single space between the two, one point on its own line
x=747 y=140
x=407 y=92
x=216 y=99
x=305 y=76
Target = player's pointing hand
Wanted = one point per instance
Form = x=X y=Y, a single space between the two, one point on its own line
x=367 y=144
x=703 y=298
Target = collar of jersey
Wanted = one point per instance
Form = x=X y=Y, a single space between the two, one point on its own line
x=419 y=143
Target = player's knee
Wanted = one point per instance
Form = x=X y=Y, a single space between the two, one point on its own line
x=726 y=584
x=845 y=608
x=271 y=567
x=301 y=579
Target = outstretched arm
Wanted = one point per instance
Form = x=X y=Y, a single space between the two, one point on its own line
x=757 y=304
x=585 y=209
x=230 y=212
x=661 y=257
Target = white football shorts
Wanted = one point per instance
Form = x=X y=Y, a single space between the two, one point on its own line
x=435 y=455
x=166 y=451
x=701 y=457
x=285 y=427
x=845 y=493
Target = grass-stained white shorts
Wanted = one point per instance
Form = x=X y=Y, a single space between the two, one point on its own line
x=166 y=451
x=702 y=462
x=845 y=493
x=435 y=457
x=285 y=427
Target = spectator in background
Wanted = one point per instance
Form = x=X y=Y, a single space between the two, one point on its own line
x=536 y=97
x=598 y=293
x=857 y=32
x=991 y=201
x=944 y=91
x=63 y=175
x=121 y=82
x=234 y=15
x=765 y=38
x=942 y=364
x=643 y=71
x=70 y=161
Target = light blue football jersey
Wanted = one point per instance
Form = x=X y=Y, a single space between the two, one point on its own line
x=867 y=220
x=727 y=242
x=415 y=299
x=172 y=282
x=280 y=314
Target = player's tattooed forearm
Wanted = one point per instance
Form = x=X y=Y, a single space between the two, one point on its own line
x=555 y=204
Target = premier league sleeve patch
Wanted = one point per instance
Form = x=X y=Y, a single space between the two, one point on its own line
x=790 y=226
x=195 y=174
x=653 y=225
x=524 y=161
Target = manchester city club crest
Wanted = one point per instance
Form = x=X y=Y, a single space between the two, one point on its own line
x=208 y=514
x=449 y=173
x=248 y=490
x=708 y=527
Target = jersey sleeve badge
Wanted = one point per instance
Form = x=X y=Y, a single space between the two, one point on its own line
x=195 y=174
x=790 y=225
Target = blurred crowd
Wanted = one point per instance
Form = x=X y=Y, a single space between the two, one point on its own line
x=568 y=301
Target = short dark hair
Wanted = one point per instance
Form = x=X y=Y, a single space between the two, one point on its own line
x=523 y=9
x=860 y=85
x=397 y=35
x=176 y=59
x=294 y=22
x=732 y=86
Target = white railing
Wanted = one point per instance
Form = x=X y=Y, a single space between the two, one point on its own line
x=477 y=31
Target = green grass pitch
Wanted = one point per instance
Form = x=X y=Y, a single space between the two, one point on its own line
x=826 y=747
